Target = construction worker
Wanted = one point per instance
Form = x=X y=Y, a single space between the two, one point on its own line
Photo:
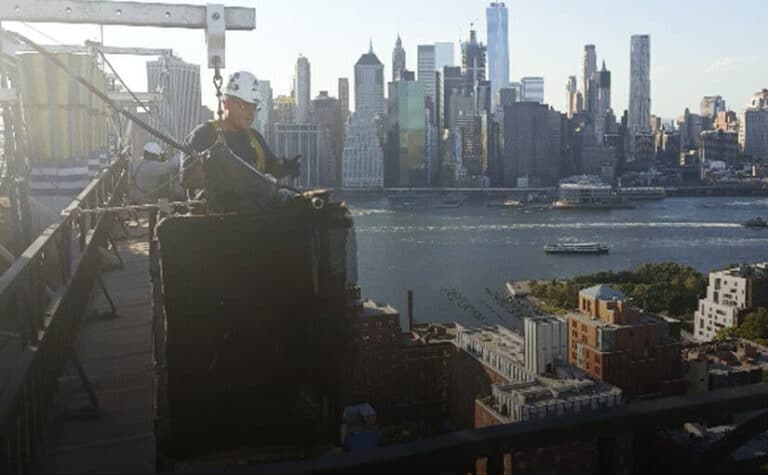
x=241 y=102
x=150 y=176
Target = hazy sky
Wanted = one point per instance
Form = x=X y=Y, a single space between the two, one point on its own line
x=698 y=47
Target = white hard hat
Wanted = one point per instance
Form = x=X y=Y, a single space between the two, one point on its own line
x=245 y=86
x=153 y=147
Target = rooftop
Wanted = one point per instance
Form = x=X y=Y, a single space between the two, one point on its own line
x=603 y=292
x=569 y=383
x=754 y=271
x=498 y=339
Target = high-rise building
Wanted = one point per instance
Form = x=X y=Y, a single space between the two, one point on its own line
x=426 y=59
x=533 y=89
x=264 y=115
x=179 y=111
x=285 y=110
x=398 y=59
x=753 y=131
x=363 y=158
x=326 y=114
x=344 y=98
x=532 y=145
x=302 y=86
x=603 y=84
x=622 y=345
x=718 y=146
x=405 y=160
x=589 y=78
x=451 y=85
x=290 y=140
x=498 y=47
x=444 y=55
x=712 y=105
x=473 y=59
x=639 y=87
x=571 y=96
x=730 y=295
x=369 y=83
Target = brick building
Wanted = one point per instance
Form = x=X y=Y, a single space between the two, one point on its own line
x=624 y=346
x=404 y=376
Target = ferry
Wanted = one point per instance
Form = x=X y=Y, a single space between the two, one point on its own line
x=756 y=223
x=576 y=248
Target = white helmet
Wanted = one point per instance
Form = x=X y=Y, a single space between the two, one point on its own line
x=245 y=86
x=153 y=147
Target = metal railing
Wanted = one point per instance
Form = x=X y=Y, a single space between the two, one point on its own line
x=43 y=297
x=461 y=453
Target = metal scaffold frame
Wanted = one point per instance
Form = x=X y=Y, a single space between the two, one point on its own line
x=42 y=333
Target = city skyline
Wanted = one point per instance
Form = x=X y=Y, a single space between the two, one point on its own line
x=341 y=32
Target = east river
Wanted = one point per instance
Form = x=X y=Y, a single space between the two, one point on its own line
x=474 y=247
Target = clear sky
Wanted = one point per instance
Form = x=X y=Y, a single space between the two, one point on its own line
x=698 y=47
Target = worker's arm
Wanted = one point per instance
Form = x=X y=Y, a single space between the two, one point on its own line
x=279 y=168
x=200 y=139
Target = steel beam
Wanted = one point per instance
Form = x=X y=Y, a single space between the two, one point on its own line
x=101 y=12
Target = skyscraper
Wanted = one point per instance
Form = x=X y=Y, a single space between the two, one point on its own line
x=344 y=98
x=498 y=46
x=444 y=55
x=571 y=96
x=398 y=59
x=712 y=105
x=589 y=78
x=369 y=83
x=639 y=87
x=326 y=114
x=179 y=111
x=473 y=59
x=426 y=70
x=264 y=116
x=603 y=84
x=363 y=160
x=533 y=89
x=406 y=133
x=301 y=87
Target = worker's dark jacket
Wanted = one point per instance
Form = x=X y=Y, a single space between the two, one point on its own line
x=246 y=144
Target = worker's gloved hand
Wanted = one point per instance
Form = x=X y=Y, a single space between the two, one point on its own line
x=293 y=166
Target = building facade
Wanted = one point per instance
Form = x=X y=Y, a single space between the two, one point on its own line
x=718 y=146
x=302 y=87
x=497 y=19
x=179 y=82
x=639 y=87
x=711 y=106
x=344 y=99
x=754 y=128
x=473 y=59
x=425 y=70
x=363 y=158
x=406 y=133
x=589 y=78
x=532 y=145
x=624 y=346
x=731 y=293
x=290 y=140
x=266 y=107
x=444 y=55
x=326 y=114
x=603 y=84
x=398 y=59
x=571 y=96
x=369 y=84
x=532 y=89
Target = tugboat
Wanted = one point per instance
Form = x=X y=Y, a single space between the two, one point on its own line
x=576 y=248
x=756 y=223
